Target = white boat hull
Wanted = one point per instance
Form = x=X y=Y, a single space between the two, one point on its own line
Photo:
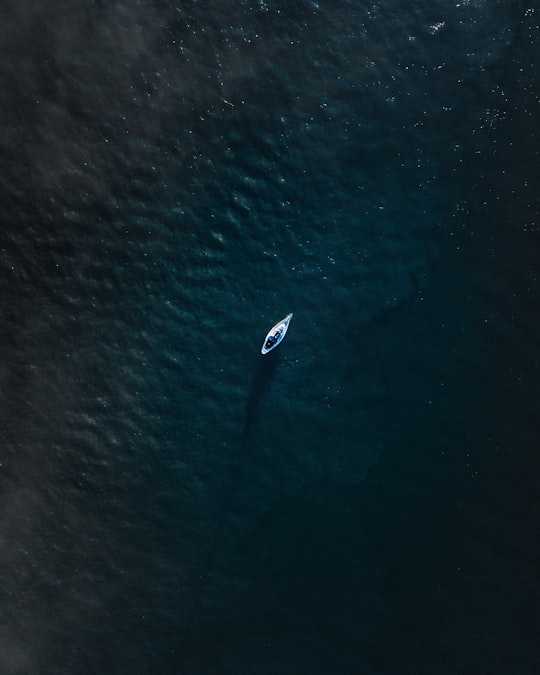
x=276 y=334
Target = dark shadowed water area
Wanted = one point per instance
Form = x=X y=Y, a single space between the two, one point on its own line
x=177 y=178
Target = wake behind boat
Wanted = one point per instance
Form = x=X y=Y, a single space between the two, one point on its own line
x=276 y=334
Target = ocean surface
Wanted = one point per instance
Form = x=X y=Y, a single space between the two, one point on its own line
x=176 y=177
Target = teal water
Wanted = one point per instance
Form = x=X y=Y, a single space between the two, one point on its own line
x=362 y=500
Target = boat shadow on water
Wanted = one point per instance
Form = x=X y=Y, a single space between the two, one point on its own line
x=261 y=379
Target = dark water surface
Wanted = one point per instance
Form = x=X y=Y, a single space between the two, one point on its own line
x=176 y=178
